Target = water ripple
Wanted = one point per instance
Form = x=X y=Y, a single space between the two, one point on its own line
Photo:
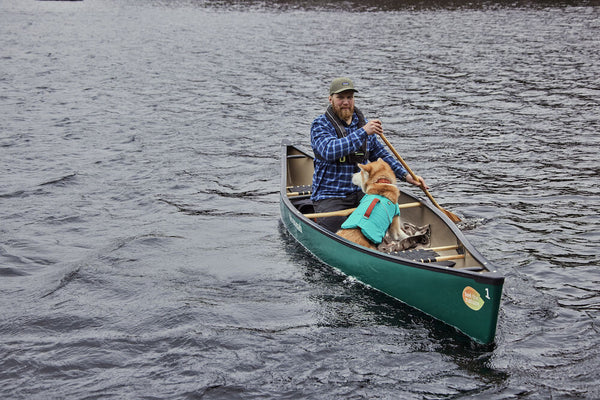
x=140 y=247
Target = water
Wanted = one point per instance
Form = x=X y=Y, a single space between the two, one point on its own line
x=141 y=254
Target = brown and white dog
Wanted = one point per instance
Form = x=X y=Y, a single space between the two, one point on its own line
x=375 y=178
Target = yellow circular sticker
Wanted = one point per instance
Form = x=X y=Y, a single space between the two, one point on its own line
x=472 y=298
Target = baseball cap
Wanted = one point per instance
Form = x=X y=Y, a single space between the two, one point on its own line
x=341 y=85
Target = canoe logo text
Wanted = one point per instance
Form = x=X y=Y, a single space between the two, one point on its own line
x=472 y=298
x=296 y=224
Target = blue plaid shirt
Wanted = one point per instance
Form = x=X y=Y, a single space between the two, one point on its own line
x=332 y=179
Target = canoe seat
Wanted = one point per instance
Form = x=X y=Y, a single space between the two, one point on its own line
x=475 y=269
x=301 y=190
x=449 y=264
x=423 y=255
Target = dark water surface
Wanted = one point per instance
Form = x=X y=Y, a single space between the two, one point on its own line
x=141 y=254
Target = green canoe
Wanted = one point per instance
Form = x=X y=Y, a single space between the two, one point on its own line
x=457 y=286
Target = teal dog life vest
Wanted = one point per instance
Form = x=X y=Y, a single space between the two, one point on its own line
x=373 y=216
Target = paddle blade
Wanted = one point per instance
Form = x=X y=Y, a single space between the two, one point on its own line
x=453 y=217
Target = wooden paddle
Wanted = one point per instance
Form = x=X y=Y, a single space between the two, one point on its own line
x=450 y=215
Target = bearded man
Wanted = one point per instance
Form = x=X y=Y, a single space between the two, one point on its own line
x=342 y=138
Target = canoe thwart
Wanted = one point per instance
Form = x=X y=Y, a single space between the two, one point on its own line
x=348 y=211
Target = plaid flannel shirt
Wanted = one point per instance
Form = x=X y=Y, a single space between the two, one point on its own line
x=332 y=179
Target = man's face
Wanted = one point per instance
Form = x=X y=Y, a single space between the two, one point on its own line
x=343 y=104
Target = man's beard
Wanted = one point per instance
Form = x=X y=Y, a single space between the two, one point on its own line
x=343 y=113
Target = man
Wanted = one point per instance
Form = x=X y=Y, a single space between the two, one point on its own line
x=341 y=138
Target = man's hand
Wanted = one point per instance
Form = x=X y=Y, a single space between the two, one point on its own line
x=419 y=182
x=373 y=126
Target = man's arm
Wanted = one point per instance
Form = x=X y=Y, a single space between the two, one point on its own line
x=325 y=142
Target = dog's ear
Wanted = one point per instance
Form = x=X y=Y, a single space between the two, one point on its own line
x=365 y=168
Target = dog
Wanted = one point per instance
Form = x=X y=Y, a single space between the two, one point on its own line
x=378 y=211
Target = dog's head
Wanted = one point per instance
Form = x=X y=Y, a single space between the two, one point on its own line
x=374 y=174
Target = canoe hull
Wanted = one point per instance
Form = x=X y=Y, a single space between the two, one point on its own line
x=465 y=300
